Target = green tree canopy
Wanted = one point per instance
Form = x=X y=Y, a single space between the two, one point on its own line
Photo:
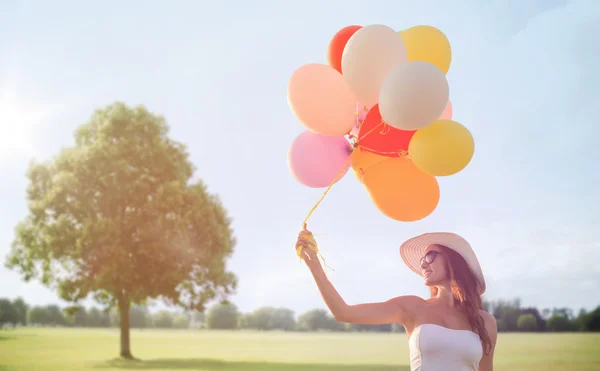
x=120 y=217
x=8 y=312
x=526 y=322
x=222 y=316
x=21 y=307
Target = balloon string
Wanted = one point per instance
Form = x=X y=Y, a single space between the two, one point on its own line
x=372 y=130
x=337 y=177
x=312 y=242
x=339 y=174
x=400 y=153
x=385 y=130
x=305 y=222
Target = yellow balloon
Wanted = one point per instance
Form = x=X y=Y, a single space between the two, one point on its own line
x=442 y=148
x=427 y=44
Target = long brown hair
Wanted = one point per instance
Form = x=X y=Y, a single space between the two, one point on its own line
x=464 y=290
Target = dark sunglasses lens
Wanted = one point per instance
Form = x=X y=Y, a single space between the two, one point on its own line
x=429 y=257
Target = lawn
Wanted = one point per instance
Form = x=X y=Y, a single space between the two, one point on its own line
x=86 y=349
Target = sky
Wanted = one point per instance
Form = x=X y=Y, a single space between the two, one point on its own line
x=523 y=80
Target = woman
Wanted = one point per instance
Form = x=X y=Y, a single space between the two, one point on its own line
x=449 y=331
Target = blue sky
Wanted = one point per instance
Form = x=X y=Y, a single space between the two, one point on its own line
x=523 y=79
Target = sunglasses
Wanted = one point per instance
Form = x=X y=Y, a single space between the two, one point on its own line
x=429 y=257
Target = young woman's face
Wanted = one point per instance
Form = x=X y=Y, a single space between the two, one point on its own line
x=433 y=266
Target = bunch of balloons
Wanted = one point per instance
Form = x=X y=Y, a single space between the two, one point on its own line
x=380 y=105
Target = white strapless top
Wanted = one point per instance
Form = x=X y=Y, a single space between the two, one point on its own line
x=437 y=348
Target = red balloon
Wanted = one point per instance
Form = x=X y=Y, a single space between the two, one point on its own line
x=337 y=45
x=380 y=138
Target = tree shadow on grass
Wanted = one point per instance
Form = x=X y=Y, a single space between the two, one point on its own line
x=212 y=364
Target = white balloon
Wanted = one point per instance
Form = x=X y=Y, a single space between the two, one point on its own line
x=413 y=95
x=369 y=56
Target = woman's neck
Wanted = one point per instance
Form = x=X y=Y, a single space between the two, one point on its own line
x=444 y=296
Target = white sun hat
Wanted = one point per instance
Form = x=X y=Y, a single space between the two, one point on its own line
x=413 y=250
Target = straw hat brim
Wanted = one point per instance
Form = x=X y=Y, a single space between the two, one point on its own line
x=413 y=249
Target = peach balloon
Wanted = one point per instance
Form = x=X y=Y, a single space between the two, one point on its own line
x=400 y=190
x=321 y=99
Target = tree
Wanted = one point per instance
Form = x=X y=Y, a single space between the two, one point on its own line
x=181 y=321
x=8 y=313
x=163 y=319
x=37 y=316
x=119 y=217
x=539 y=320
x=222 y=316
x=527 y=322
x=506 y=314
x=384 y=327
x=139 y=316
x=95 y=317
x=283 y=319
x=269 y=318
x=81 y=318
x=580 y=322
x=592 y=321
x=261 y=319
x=563 y=312
x=247 y=321
x=21 y=307
x=55 y=315
x=316 y=319
x=197 y=319
x=559 y=323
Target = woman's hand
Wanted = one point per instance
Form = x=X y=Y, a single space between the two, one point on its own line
x=305 y=240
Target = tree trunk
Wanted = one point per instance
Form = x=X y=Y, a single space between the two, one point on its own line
x=124 y=306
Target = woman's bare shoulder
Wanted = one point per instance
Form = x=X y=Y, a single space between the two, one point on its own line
x=411 y=300
x=489 y=321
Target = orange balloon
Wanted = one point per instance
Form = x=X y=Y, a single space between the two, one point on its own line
x=400 y=190
x=362 y=160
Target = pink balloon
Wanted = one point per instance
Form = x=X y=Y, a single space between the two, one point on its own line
x=447 y=114
x=315 y=159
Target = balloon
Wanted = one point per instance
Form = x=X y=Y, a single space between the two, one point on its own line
x=315 y=159
x=413 y=96
x=428 y=44
x=337 y=44
x=363 y=160
x=382 y=139
x=447 y=114
x=400 y=190
x=369 y=56
x=442 y=148
x=321 y=99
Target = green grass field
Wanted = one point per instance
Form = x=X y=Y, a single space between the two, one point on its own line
x=86 y=349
